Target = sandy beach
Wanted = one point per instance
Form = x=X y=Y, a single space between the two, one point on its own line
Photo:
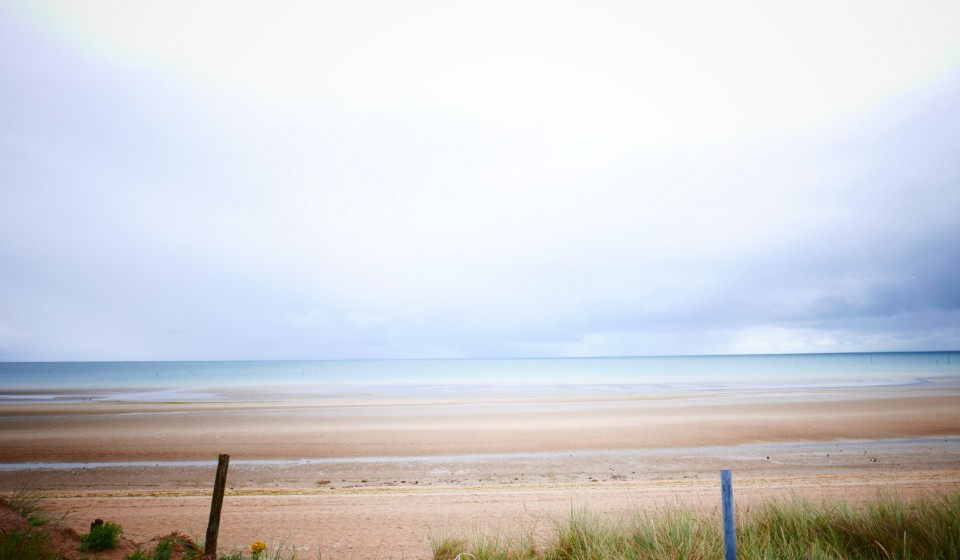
x=376 y=477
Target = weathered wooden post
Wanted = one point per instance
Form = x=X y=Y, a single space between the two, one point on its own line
x=213 y=526
x=729 y=530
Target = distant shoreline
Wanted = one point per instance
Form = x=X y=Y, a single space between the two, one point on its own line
x=372 y=392
x=191 y=381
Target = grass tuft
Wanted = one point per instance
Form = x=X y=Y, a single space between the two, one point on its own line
x=26 y=500
x=448 y=548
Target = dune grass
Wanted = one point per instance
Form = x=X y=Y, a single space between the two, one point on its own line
x=27 y=500
x=889 y=527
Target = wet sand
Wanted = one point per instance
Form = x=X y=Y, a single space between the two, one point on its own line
x=375 y=477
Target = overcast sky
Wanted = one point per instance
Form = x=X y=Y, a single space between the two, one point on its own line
x=426 y=179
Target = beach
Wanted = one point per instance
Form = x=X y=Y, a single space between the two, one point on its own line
x=376 y=476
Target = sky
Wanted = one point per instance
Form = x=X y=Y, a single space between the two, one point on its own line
x=184 y=180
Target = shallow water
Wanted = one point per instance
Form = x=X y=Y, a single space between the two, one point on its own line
x=293 y=380
x=733 y=450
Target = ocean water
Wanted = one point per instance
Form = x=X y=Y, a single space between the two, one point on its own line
x=224 y=380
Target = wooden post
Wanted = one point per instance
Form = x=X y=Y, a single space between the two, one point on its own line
x=729 y=530
x=213 y=526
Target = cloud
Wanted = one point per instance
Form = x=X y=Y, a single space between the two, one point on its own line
x=476 y=182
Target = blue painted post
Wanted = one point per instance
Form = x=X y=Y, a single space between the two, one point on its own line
x=729 y=531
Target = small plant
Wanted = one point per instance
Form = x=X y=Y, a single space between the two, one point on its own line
x=101 y=537
x=164 y=549
x=167 y=548
x=256 y=549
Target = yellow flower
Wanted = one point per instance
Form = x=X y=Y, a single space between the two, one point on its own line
x=257 y=547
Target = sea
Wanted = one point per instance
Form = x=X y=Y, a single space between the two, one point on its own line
x=163 y=381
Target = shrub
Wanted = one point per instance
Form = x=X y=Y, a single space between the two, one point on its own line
x=101 y=537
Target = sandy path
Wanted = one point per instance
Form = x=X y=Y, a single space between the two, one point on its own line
x=399 y=523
